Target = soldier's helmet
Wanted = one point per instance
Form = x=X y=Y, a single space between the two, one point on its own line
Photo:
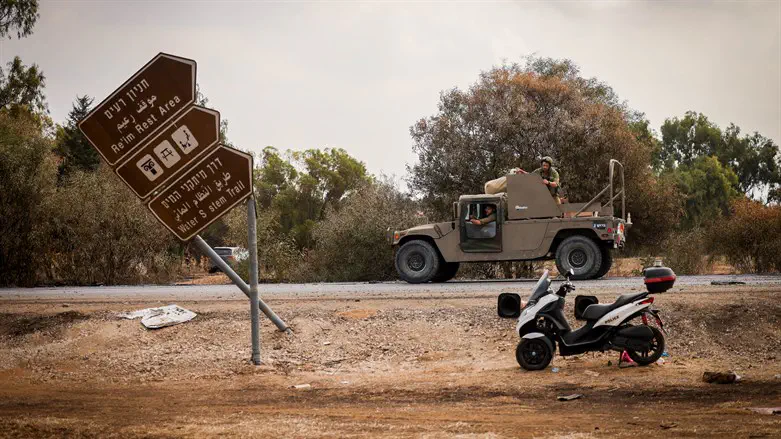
x=547 y=159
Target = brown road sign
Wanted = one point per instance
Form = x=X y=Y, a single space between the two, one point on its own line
x=147 y=101
x=171 y=150
x=205 y=192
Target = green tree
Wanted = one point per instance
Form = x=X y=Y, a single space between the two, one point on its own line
x=18 y=16
x=28 y=175
x=754 y=158
x=302 y=185
x=709 y=188
x=513 y=115
x=74 y=149
x=21 y=88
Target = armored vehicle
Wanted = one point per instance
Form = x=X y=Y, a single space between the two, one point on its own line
x=529 y=225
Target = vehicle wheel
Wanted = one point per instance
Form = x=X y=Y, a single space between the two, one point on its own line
x=447 y=271
x=648 y=357
x=607 y=262
x=417 y=262
x=581 y=254
x=534 y=353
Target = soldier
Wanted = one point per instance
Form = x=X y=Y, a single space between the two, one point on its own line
x=550 y=176
x=489 y=217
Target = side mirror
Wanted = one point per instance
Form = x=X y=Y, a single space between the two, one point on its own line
x=570 y=272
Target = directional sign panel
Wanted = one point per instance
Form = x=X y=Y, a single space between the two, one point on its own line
x=151 y=98
x=172 y=149
x=205 y=192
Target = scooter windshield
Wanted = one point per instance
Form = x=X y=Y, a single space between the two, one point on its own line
x=541 y=287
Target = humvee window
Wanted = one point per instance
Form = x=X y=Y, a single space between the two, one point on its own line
x=479 y=211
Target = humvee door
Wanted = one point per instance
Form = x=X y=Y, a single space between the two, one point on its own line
x=480 y=238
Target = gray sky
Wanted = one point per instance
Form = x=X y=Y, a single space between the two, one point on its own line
x=357 y=75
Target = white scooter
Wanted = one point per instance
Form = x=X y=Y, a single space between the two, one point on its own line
x=542 y=326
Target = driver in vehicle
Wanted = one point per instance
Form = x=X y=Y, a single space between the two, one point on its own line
x=490 y=216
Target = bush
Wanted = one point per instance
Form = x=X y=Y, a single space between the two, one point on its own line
x=102 y=234
x=750 y=238
x=350 y=244
x=28 y=176
x=685 y=252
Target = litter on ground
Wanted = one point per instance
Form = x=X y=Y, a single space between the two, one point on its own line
x=155 y=318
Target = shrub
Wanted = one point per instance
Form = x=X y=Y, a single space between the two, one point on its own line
x=685 y=251
x=350 y=244
x=750 y=238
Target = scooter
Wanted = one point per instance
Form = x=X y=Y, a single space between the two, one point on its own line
x=542 y=326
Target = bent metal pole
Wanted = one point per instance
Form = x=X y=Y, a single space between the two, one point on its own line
x=204 y=247
x=252 y=240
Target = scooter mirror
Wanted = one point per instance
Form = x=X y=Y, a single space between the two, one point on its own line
x=571 y=272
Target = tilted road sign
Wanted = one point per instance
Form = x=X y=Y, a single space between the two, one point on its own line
x=171 y=150
x=151 y=98
x=205 y=192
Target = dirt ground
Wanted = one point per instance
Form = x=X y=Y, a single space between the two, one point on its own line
x=416 y=364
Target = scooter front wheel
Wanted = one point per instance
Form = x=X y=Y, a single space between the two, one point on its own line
x=534 y=353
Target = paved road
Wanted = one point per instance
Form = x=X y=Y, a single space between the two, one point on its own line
x=231 y=292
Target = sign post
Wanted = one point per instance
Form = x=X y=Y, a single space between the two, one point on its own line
x=167 y=149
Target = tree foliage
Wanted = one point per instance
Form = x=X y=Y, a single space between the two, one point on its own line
x=28 y=175
x=754 y=158
x=708 y=187
x=303 y=185
x=74 y=149
x=513 y=115
x=21 y=88
x=18 y=16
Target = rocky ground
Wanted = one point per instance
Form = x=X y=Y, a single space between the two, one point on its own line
x=412 y=364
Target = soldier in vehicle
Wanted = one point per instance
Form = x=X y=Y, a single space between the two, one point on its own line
x=550 y=176
x=490 y=216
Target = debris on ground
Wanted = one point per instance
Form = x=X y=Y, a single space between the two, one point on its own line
x=720 y=377
x=155 y=318
x=727 y=282
x=766 y=410
x=660 y=361
x=668 y=425
x=665 y=354
x=555 y=370
x=302 y=386
x=570 y=397
x=591 y=373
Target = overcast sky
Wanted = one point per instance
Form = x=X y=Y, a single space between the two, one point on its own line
x=357 y=75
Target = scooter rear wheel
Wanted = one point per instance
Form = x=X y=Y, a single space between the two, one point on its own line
x=534 y=353
x=644 y=358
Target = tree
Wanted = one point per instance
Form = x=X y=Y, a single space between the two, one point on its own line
x=303 y=185
x=21 y=88
x=18 y=16
x=28 y=175
x=515 y=114
x=709 y=188
x=754 y=158
x=74 y=149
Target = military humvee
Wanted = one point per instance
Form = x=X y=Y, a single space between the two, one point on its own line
x=529 y=225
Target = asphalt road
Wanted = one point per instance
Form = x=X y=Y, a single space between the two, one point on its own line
x=231 y=292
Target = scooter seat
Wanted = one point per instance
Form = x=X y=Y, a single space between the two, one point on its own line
x=595 y=312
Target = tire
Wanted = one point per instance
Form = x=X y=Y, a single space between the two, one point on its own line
x=417 y=262
x=581 y=254
x=534 y=353
x=649 y=357
x=447 y=271
x=607 y=262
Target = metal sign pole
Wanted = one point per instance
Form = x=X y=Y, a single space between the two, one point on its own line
x=253 y=278
x=204 y=247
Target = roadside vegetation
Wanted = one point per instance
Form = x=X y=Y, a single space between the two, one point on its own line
x=696 y=191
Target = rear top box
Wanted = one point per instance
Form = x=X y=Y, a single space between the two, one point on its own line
x=658 y=279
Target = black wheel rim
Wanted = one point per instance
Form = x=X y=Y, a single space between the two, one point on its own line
x=416 y=262
x=654 y=348
x=577 y=258
x=533 y=352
